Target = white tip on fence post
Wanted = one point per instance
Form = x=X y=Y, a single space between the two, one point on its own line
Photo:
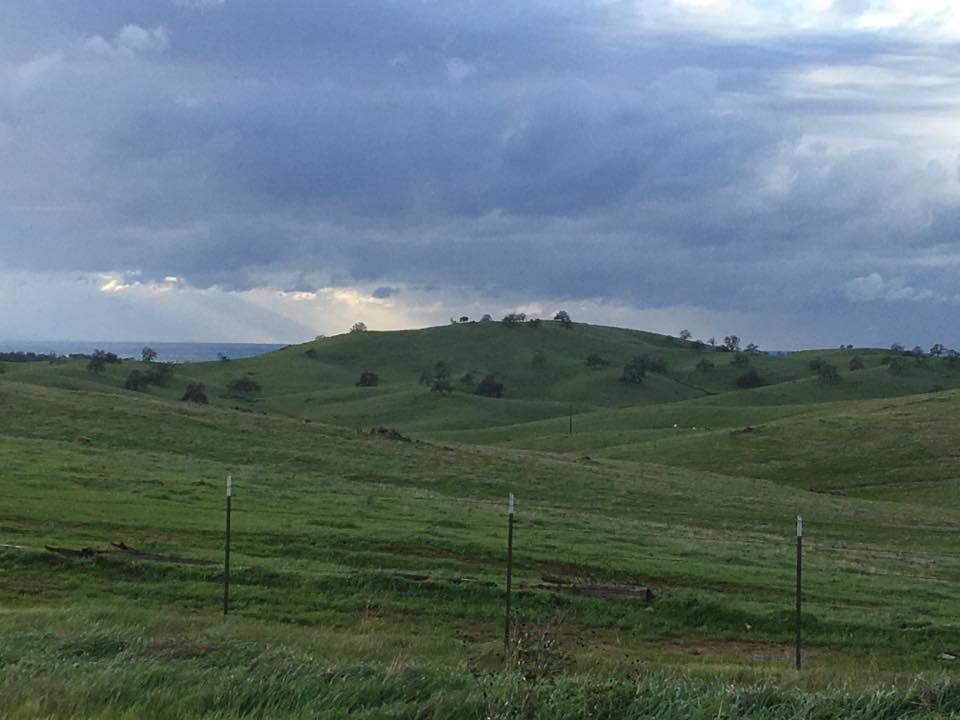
x=226 y=548
x=799 y=588
x=510 y=505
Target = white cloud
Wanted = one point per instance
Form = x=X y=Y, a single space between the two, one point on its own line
x=874 y=287
x=931 y=19
x=137 y=39
x=200 y=5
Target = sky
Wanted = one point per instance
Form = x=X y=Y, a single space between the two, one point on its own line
x=271 y=170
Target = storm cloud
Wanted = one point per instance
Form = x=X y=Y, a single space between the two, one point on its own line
x=797 y=165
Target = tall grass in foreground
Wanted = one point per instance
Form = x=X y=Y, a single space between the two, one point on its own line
x=89 y=666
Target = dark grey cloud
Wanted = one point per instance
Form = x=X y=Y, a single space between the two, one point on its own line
x=554 y=149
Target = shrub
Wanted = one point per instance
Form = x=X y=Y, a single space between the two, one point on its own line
x=489 y=386
x=148 y=354
x=159 y=374
x=196 y=393
x=368 y=379
x=856 y=363
x=750 y=379
x=467 y=379
x=897 y=366
x=441 y=386
x=563 y=317
x=827 y=372
x=595 y=361
x=634 y=371
x=243 y=385
x=514 y=318
x=705 y=366
x=136 y=381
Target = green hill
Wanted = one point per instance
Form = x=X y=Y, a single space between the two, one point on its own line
x=368 y=567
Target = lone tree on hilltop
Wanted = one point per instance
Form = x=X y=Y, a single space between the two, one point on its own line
x=148 y=354
x=937 y=350
x=563 y=317
x=685 y=335
x=195 y=393
x=358 y=327
x=731 y=343
x=368 y=379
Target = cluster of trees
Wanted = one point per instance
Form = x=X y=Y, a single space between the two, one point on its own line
x=635 y=370
x=156 y=374
x=490 y=386
x=21 y=357
x=437 y=378
x=825 y=370
x=100 y=359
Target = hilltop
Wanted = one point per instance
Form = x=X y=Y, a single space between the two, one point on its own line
x=544 y=369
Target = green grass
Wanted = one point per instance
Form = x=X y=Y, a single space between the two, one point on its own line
x=368 y=572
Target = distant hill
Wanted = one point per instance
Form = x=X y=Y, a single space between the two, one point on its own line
x=543 y=368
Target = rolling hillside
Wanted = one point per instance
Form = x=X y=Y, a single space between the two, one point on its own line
x=375 y=561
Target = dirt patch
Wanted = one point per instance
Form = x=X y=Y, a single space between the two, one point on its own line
x=737 y=649
x=606 y=591
x=122 y=550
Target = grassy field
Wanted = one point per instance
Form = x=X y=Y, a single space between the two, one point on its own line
x=368 y=568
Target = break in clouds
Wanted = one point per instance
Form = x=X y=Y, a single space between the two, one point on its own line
x=270 y=170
